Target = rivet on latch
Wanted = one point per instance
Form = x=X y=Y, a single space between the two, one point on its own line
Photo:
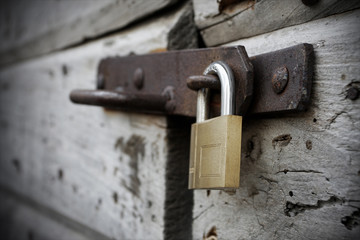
x=138 y=78
x=280 y=79
x=169 y=93
x=100 y=82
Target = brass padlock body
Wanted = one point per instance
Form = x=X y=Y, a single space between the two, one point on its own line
x=215 y=153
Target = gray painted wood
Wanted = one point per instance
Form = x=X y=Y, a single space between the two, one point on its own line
x=23 y=219
x=32 y=28
x=102 y=169
x=299 y=174
x=249 y=18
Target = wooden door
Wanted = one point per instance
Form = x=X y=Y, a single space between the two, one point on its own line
x=79 y=172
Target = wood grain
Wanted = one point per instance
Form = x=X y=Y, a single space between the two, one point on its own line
x=207 y=13
x=249 y=19
x=37 y=27
x=23 y=219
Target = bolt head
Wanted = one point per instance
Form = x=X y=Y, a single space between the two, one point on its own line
x=280 y=79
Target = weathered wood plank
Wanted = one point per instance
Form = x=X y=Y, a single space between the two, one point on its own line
x=33 y=28
x=299 y=174
x=207 y=13
x=250 y=19
x=103 y=169
x=21 y=219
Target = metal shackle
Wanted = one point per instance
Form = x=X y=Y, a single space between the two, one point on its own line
x=227 y=82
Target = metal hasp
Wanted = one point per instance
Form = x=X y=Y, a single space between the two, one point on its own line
x=164 y=83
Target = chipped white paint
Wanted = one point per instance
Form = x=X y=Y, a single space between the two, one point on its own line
x=306 y=186
x=103 y=169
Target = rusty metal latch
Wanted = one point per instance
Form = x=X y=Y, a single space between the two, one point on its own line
x=164 y=83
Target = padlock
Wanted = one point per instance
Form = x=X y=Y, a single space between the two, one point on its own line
x=215 y=150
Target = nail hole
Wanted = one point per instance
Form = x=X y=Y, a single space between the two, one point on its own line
x=60 y=174
x=115 y=197
x=308 y=144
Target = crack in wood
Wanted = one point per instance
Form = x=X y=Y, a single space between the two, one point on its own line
x=269 y=180
x=293 y=209
x=299 y=171
x=333 y=118
x=202 y=212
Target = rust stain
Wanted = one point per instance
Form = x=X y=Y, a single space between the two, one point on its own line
x=252 y=4
x=157 y=50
